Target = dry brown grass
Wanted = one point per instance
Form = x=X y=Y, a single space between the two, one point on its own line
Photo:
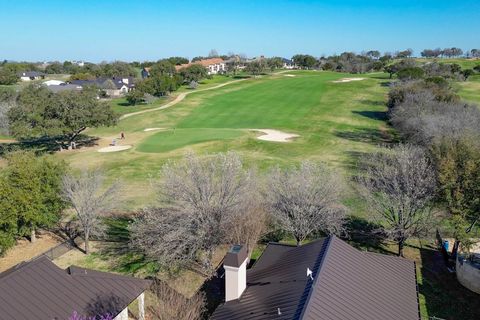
x=24 y=250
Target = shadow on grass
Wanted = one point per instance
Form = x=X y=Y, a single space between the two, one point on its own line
x=375 y=115
x=364 y=234
x=241 y=77
x=366 y=135
x=444 y=296
x=117 y=246
x=43 y=145
x=386 y=83
x=127 y=104
x=353 y=159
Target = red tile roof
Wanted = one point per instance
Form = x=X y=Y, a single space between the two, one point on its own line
x=205 y=63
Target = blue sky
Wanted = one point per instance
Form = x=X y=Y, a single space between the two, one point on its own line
x=97 y=30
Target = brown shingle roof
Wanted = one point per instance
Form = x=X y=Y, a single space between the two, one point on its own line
x=348 y=284
x=41 y=290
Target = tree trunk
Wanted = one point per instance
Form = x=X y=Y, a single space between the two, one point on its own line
x=87 y=244
x=299 y=242
x=74 y=135
x=33 y=236
x=401 y=244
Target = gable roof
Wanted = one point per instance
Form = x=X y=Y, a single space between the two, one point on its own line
x=31 y=74
x=63 y=87
x=39 y=289
x=347 y=284
x=101 y=82
x=209 y=62
x=204 y=62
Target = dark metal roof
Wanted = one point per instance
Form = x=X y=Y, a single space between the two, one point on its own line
x=31 y=74
x=236 y=256
x=347 y=284
x=101 y=82
x=41 y=290
x=64 y=87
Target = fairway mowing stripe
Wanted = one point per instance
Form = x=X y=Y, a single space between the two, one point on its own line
x=178 y=99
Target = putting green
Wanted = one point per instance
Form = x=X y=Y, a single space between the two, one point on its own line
x=165 y=141
x=336 y=122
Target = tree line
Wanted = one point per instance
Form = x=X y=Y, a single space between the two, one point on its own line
x=449 y=53
x=36 y=113
x=428 y=113
x=410 y=69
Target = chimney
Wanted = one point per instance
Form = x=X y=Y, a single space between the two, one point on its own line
x=235 y=265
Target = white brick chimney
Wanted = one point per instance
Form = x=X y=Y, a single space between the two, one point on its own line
x=235 y=265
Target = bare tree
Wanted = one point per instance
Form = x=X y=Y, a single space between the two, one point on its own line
x=306 y=199
x=248 y=228
x=200 y=199
x=424 y=120
x=213 y=53
x=90 y=201
x=399 y=185
x=169 y=304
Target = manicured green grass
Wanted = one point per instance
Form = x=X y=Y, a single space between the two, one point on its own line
x=177 y=138
x=121 y=105
x=337 y=124
x=470 y=90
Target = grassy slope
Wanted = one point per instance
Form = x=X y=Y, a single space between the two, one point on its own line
x=121 y=106
x=464 y=63
x=470 y=90
x=337 y=122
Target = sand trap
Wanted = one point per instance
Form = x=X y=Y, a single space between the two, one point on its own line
x=289 y=75
x=275 y=135
x=348 y=80
x=152 y=129
x=114 y=148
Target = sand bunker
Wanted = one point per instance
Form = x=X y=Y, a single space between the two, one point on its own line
x=152 y=129
x=348 y=80
x=275 y=135
x=289 y=75
x=114 y=148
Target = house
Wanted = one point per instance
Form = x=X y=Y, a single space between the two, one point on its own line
x=79 y=63
x=146 y=72
x=288 y=64
x=53 y=83
x=236 y=61
x=64 y=87
x=41 y=290
x=213 y=65
x=324 y=279
x=113 y=87
x=31 y=75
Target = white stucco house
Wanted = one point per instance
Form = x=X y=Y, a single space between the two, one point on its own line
x=288 y=64
x=213 y=65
